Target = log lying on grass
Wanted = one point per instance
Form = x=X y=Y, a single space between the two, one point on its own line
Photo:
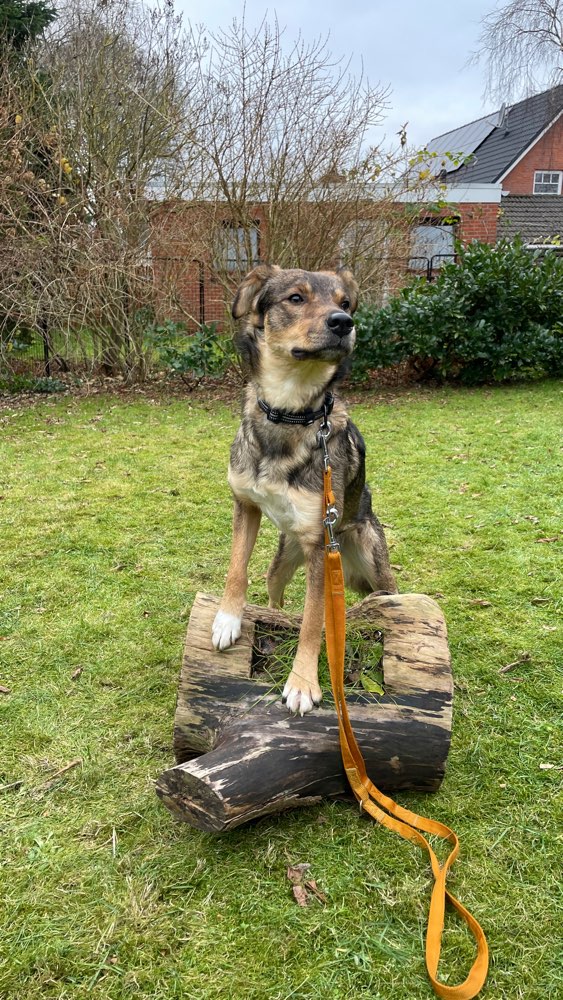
x=241 y=755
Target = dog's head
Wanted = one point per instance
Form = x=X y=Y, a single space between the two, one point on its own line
x=300 y=315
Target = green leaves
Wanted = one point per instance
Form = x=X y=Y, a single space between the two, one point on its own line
x=496 y=315
x=195 y=355
x=369 y=684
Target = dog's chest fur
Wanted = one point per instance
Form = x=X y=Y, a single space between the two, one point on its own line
x=268 y=480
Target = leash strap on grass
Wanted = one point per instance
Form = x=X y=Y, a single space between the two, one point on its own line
x=387 y=812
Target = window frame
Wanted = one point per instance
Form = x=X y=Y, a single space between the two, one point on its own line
x=234 y=236
x=543 y=174
x=431 y=222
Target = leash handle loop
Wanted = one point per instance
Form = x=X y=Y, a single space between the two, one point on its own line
x=382 y=808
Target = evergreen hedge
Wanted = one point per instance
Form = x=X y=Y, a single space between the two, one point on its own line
x=496 y=314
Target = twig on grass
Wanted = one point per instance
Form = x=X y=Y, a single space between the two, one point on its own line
x=47 y=785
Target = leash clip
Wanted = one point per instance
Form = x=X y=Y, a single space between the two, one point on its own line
x=323 y=435
x=329 y=521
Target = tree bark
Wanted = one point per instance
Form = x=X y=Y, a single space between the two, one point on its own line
x=252 y=758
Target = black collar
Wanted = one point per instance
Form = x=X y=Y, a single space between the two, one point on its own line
x=305 y=417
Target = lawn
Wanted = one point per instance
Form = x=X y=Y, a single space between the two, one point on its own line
x=114 y=513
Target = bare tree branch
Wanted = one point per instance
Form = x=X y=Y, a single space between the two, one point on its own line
x=521 y=46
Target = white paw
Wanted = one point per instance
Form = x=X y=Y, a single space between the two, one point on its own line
x=301 y=695
x=226 y=630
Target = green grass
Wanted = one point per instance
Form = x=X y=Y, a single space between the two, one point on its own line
x=114 y=514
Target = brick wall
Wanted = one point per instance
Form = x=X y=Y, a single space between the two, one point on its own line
x=478 y=221
x=189 y=289
x=188 y=286
x=547 y=154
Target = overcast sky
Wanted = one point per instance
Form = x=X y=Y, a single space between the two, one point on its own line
x=418 y=48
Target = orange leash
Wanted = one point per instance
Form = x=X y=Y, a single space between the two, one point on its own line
x=407 y=824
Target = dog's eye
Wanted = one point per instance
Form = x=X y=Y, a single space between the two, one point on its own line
x=296 y=298
x=345 y=304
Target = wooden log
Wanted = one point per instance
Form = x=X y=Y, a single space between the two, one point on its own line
x=241 y=755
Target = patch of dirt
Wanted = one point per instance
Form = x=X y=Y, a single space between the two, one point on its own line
x=155 y=387
x=383 y=385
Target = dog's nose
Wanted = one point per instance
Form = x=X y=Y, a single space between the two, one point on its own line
x=339 y=323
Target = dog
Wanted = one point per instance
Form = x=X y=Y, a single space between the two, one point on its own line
x=296 y=335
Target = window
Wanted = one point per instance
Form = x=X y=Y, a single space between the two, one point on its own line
x=547 y=181
x=234 y=244
x=432 y=243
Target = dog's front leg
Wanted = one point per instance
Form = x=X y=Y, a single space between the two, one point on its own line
x=302 y=689
x=227 y=623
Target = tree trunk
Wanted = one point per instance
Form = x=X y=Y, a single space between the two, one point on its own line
x=255 y=758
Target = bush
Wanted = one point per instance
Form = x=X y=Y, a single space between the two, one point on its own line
x=13 y=384
x=495 y=315
x=192 y=356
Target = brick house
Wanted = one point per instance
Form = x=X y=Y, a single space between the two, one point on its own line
x=516 y=156
x=510 y=182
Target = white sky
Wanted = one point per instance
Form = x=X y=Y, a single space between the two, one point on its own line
x=417 y=48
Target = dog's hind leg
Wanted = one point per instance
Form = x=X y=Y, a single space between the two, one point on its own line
x=227 y=623
x=286 y=560
x=365 y=557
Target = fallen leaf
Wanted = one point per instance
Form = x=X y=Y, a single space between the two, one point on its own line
x=352 y=677
x=4 y=689
x=311 y=885
x=481 y=604
x=301 y=895
x=76 y=673
x=369 y=684
x=546 y=767
x=554 y=538
x=267 y=644
x=295 y=873
x=540 y=600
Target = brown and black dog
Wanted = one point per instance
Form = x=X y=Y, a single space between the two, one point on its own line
x=296 y=334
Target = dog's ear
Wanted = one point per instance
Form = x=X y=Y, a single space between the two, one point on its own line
x=248 y=292
x=351 y=286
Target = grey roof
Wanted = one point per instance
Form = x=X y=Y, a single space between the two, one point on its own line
x=512 y=131
x=463 y=140
x=536 y=218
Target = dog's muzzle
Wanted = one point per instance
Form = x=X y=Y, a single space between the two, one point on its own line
x=339 y=342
